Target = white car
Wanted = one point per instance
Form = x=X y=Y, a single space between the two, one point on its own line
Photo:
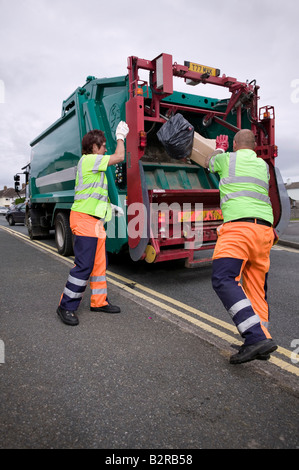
x=3 y=210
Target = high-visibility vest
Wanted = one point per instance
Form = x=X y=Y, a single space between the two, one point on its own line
x=91 y=189
x=244 y=185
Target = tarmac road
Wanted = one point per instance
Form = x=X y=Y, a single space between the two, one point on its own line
x=138 y=380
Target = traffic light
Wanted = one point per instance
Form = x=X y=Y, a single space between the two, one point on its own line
x=17 y=183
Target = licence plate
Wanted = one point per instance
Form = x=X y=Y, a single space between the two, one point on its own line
x=193 y=67
x=196 y=216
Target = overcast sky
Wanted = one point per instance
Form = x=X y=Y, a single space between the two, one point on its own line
x=49 y=47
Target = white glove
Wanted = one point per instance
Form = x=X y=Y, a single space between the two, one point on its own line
x=117 y=210
x=122 y=130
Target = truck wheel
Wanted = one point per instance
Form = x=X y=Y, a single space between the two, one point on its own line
x=63 y=234
x=29 y=225
x=35 y=231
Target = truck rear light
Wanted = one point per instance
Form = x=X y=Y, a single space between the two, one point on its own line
x=142 y=139
x=162 y=223
x=161 y=218
x=275 y=151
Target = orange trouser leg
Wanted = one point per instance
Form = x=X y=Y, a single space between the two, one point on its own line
x=98 y=282
x=90 y=263
x=255 y=277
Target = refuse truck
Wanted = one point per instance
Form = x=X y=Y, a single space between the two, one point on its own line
x=170 y=207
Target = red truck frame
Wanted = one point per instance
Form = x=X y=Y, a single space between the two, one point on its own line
x=162 y=70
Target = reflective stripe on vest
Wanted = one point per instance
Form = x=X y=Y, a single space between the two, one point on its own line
x=232 y=179
x=95 y=185
x=92 y=197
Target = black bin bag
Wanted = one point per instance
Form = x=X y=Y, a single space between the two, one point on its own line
x=176 y=135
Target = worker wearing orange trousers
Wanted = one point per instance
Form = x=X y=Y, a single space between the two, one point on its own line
x=241 y=258
x=242 y=251
x=90 y=263
x=90 y=211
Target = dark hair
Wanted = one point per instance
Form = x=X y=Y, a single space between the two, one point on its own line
x=92 y=137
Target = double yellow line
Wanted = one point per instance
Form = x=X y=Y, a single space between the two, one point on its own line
x=195 y=320
x=223 y=330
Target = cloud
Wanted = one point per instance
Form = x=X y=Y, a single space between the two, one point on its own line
x=49 y=47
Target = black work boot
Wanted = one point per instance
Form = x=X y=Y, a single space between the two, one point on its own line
x=68 y=317
x=109 y=308
x=257 y=350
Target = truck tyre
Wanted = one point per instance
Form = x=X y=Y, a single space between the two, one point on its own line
x=63 y=234
x=28 y=224
x=32 y=222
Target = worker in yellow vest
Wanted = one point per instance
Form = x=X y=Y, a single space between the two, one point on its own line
x=90 y=211
x=244 y=242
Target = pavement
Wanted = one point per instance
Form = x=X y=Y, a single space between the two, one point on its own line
x=131 y=381
x=291 y=235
